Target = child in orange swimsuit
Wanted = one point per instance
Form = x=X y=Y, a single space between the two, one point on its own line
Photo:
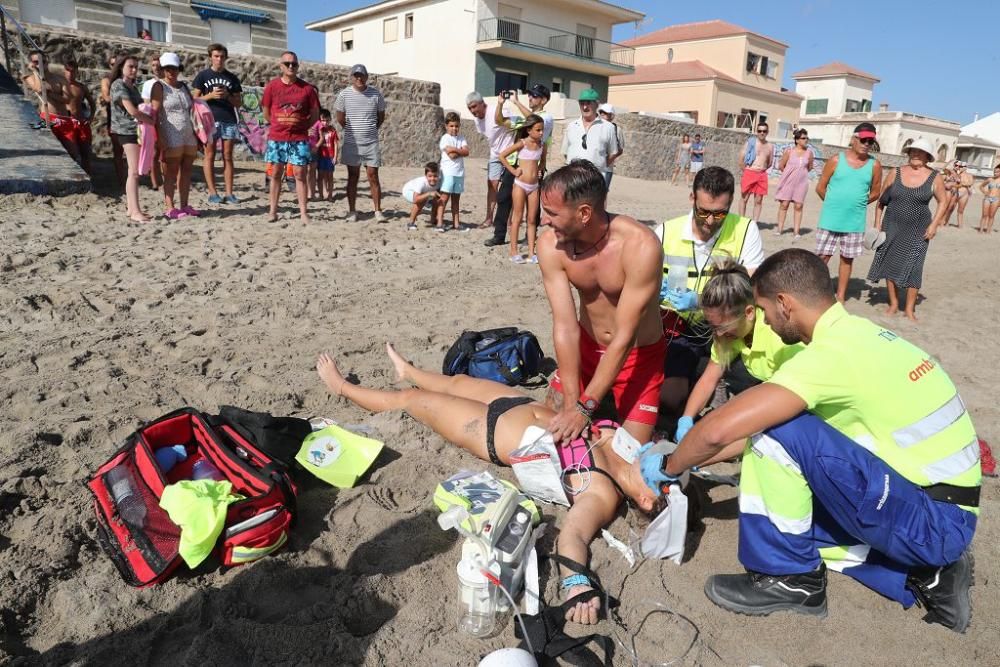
x=526 y=177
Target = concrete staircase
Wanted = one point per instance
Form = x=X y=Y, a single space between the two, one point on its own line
x=32 y=161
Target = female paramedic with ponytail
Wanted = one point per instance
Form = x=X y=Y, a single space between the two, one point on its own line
x=745 y=351
x=490 y=420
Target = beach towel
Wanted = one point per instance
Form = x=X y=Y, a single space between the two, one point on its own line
x=203 y=120
x=147 y=141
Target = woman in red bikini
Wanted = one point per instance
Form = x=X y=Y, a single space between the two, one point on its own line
x=490 y=420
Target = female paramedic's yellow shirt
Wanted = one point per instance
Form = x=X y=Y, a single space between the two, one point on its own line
x=766 y=353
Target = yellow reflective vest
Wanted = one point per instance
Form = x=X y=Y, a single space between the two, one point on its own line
x=678 y=252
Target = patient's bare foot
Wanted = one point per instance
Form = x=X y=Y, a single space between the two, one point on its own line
x=584 y=613
x=330 y=374
x=399 y=363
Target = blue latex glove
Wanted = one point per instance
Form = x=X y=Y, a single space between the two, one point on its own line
x=651 y=465
x=682 y=301
x=664 y=290
x=684 y=425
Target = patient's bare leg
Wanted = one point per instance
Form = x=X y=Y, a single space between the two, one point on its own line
x=464 y=386
x=460 y=420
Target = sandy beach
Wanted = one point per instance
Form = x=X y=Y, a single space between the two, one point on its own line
x=106 y=324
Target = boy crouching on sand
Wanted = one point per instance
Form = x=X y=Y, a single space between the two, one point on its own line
x=454 y=149
x=421 y=190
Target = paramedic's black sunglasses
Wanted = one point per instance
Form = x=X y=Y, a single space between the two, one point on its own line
x=702 y=214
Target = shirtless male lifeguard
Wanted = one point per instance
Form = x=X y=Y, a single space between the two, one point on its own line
x=56 y=94
x=617 y=343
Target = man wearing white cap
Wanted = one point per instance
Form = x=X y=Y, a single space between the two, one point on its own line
x=607 y=112
x=360 y=110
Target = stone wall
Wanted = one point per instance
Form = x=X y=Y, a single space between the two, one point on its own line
x=414 y=120
x=651 y=146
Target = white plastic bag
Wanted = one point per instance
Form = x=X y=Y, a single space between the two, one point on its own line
x=536 y=466
x=666 y=534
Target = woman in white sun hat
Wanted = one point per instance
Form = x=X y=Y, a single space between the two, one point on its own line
x=904 y=213
x=172 y=101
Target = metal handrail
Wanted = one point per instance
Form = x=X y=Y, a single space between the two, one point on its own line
x=22 y=34
x=555 y=40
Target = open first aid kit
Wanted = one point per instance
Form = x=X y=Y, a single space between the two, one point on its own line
x=138 y=534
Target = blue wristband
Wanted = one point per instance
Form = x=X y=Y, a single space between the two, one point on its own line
x=574 y=580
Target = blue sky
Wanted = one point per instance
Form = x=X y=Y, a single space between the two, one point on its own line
x=946 y=65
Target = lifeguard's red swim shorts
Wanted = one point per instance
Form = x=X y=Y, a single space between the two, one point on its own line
x=637 y=387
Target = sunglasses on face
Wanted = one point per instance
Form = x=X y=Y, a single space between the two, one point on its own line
x=761 y=131
x=867 y=142
x=704 y=215
x=290 y=64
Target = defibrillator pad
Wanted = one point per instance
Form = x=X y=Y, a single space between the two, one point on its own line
x=537 y=468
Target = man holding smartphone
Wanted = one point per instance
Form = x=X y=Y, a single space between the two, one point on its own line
x=221 y=89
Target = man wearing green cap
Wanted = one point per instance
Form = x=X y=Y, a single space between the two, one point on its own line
x=590 y=138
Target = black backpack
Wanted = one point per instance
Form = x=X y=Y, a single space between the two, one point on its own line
x=504 y=355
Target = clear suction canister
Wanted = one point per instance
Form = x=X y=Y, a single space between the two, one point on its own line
x=677 y=275
x=477 y=600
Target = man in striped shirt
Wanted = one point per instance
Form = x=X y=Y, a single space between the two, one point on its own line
x=360 y=110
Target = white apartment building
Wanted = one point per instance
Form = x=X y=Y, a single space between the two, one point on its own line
x=484 y=45
x=837 y=97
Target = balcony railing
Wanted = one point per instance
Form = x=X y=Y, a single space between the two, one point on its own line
x=555 y=40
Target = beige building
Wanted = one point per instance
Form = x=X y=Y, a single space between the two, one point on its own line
x=714 y=72
x=255 y=27
x=837 y=97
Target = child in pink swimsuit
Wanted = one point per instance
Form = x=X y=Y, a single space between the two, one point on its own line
x=524 y=197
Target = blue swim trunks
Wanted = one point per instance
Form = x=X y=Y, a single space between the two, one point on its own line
x=226 y=131
x=325 y=164
x=288 y=152
x=453 y=185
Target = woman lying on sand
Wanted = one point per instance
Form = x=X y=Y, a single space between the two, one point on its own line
x=463 y=409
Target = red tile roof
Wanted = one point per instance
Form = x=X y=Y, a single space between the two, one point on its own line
x=685 y=32
x=836 y=68
x=687 y=70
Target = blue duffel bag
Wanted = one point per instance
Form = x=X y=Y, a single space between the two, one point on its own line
x=503 y=355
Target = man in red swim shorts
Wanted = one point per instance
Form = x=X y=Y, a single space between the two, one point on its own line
x=617 y=343
x=758 y=157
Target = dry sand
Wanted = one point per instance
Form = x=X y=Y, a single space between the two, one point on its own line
x=106 y=324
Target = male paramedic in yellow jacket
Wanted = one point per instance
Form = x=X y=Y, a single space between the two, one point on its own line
x=862 y=459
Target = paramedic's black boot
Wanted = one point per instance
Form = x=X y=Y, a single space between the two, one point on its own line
x=944 y=592
x=758 y=594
